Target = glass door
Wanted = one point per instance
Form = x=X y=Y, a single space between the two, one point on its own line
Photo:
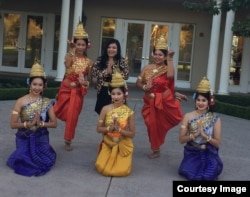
x=140 y=40
x=135 y=46
x=22 y=41
x=12 y=23
x=34 y=35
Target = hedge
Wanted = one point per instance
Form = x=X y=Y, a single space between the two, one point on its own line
x=14 y=93
x=238 y=106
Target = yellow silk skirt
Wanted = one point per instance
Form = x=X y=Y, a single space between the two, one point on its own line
x=115 y=158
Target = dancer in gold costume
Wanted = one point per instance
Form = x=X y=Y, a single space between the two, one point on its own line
x=201 y=132
x=162 y=108
x=116 y=123
x=74 y=86
x=32 y=114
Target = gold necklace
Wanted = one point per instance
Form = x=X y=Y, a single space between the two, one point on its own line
x=155 y=70
x=36 y=106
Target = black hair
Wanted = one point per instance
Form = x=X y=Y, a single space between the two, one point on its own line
x=122 y=88
x=208 y=97
x=104 y=57
x=164 y=51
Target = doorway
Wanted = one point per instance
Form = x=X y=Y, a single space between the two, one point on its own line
x=23 y=39
x=139 y=40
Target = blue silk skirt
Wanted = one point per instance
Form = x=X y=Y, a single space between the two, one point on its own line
x=199 y=164
x=33 y=155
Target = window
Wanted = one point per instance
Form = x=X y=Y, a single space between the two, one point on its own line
x=185 y=52
x=108 y=30
x=235 y=64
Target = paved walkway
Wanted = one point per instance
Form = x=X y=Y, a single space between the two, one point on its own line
x=74 y=174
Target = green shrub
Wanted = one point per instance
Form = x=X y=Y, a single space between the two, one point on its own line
x=21 y=82
x=238 y=106
x=242 y=100
x=15 y=93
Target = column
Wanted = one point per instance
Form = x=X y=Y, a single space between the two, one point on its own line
x=63 y=39
x=213 y=50
x=226 y=55
x=77 y=13
x=245 y=67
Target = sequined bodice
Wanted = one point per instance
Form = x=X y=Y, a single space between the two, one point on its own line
x=122 y=113
x=79 y=65
x=40 y=105
x=208 y=120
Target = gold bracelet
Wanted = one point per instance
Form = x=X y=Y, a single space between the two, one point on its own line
x=41 y=124
x=25 y=124
x=108 y=127
x=169 y=59
x=208 y=138
x=70 y=54
x=178 y=98
x=87 y=84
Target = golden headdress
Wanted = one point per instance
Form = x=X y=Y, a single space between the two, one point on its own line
x=117 y=80
x=161 y=43
x=37 y=70
x=203 y=86
x=80 y=32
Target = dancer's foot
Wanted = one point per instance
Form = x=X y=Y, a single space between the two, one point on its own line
x=180 y=96
x=68 y=146
x=155 y=154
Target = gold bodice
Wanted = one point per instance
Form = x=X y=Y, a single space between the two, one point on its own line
x=28 y=110
x=153 y=72
x=79 y=65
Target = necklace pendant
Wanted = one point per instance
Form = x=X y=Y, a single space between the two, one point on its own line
x=155 y=70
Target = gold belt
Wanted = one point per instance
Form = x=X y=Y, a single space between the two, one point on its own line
x=106 y=84
x=152 y=95
x=115 y=139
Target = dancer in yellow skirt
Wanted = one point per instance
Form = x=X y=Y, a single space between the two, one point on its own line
x=116 y=123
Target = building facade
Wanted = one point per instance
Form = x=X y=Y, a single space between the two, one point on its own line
x=204 y=44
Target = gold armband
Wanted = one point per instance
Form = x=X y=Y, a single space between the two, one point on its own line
x=100 y=121
x=14 y=112
x=183 y=126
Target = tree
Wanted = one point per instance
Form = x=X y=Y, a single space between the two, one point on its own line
x=240 y=27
